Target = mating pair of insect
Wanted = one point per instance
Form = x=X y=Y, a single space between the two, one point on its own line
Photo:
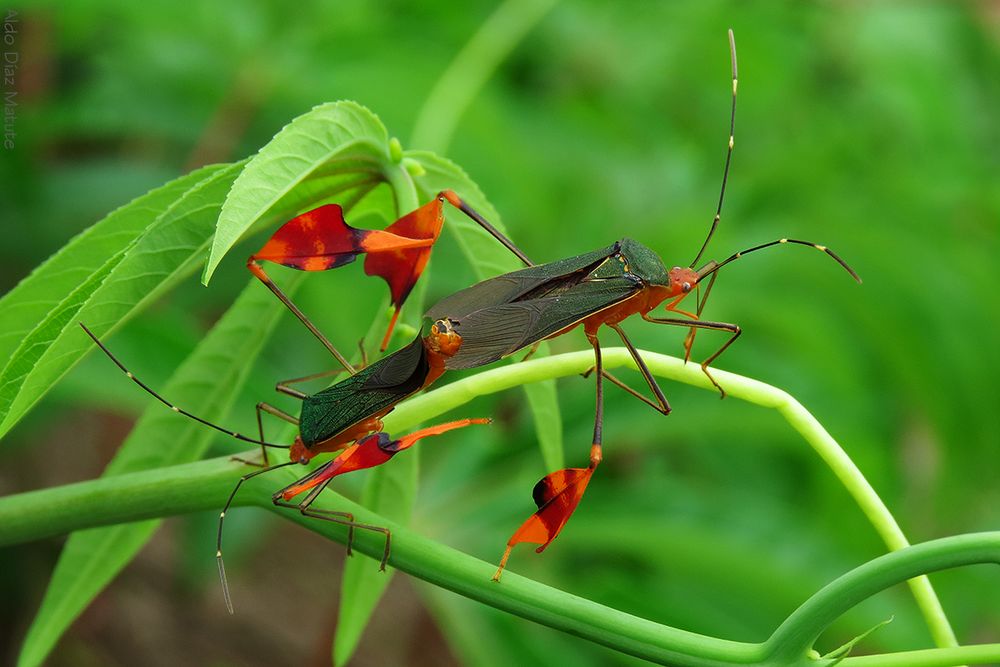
x=471 y=328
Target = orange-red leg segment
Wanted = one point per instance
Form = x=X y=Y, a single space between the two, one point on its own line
x=321 y=239
x=558 y=494
x=368 y=452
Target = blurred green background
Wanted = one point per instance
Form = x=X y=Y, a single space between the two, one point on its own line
x=869 y=128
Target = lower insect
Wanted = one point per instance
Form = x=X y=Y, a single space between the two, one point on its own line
x=359 y=442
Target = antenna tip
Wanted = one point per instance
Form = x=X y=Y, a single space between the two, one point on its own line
x=732 y=54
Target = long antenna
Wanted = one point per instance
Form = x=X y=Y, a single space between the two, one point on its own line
x=170 y=405
x=729 y=152
x=713 y=266
x=222 y=517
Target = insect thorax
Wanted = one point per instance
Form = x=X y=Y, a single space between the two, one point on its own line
x=643 y=262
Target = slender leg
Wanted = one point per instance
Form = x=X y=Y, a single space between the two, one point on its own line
x=364 y=353
x=531 y=351
x=347 y=519
x=274 y=412
x=734 y=329
x=689 y=339
x=342 y=518
x=661 y=405
x=222 y=518
x=284 y=388
x=595 y=448
x=460 y=204
x=258 y=271
x=371 y=450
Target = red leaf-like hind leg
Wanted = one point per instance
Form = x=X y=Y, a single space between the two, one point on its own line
x=401 y=267
x=320 y=240
x=368 y=452
x=558 y=494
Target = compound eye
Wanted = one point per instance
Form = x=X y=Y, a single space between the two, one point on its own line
x=686 y=287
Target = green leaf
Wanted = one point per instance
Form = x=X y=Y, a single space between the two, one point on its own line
x=36 y=296
x=489 y=259
x=335 y=148
x=170 y=248
x=206 y=383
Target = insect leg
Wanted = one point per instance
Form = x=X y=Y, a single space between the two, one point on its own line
x=367 y=452
x=284 y=388
x=689 y=339
x=595 y=448
x=275 y=412
x=460 y=204
x=531 y=351
x=364 y=353
x=345 y=518
x=734 y=329
x=257 y=270
x=661 y=405
x=342 y=518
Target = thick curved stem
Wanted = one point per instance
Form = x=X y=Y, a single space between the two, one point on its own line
x=737 y=386
x=402 y=186
x=797 y=634
x=112 y=500
x=204 y=485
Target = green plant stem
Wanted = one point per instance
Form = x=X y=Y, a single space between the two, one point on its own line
x=798 y=633
x=979 y=654
x=55 y=511
x=872 y=506
x=204 y=486
x=402 y=186
x=471 y=68
x=752 y=391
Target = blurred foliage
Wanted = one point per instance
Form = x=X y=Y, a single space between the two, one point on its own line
x=870 y=128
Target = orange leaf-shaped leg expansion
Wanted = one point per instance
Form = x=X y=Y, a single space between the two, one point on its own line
x=368 y=452
x=321 y=239
x=557 y=495
x=401 y=266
